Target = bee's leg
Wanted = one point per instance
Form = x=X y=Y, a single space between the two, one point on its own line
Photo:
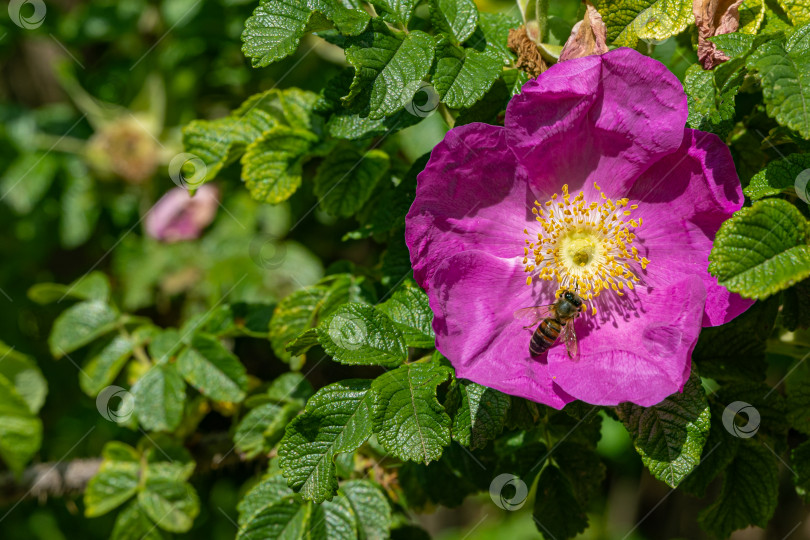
x=528 y=327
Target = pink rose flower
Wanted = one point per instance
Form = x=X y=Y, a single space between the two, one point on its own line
x=593 y=185
x=179 y=216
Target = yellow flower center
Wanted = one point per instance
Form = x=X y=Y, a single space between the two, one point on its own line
x=587 y=247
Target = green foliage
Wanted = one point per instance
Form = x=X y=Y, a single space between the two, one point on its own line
x=337 y=419
x=670 y=436
x=778 y=177
x=783 y=64
x=629 y=21
x=388 y=68
x=363 y=171
x=361 y=335
x=556 y=510
x=307 y=387
x=156 y=475
x=22 y=394
x=409 y=421
x=762 y=249
x=749 y=493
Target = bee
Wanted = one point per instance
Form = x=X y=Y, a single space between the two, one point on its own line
x=555 y=319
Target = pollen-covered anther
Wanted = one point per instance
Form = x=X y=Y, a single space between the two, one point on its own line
x=585 y=245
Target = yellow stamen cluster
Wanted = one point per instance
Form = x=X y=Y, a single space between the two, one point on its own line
x=587 y=247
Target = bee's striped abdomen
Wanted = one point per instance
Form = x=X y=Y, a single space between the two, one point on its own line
x=544 y=337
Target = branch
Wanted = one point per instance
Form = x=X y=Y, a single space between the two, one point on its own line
x=48 y=480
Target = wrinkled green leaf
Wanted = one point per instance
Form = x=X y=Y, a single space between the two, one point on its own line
x=762 y=249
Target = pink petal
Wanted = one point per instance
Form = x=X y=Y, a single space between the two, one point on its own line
x=179 y=216
x=642 y=357
x=599 y=118
x=683 y=199
x=473 y=297
x=471 y=195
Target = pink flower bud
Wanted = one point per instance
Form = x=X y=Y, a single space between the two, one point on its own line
x=179 y=216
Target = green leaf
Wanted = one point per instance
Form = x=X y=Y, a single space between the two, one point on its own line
x=370 y=506
x=389 y=210
x=737 y=351
x=159 y=398
x=303 y=342
x=629 y=21
x=481 y=414
x=719 y=451
x=583 y=467
x=336 y=419
x=303 y=308
x=273 y=163
x=410 y=311
x=800 y=459
x=213 y=370
x=779 y=176
x=93 y=286
x=104 y=365
x=492 y=35
x=115 y=482
x=286 y=519
x=345 y=123
x=270 y=490
x=670 y=436
x=276 y=27
x=79 y=325
x=24 y=375
x=752 y=13
x=80 y=207
x=133 y=524
x=396 y=11
x=783 y=65
x=171 y=504
x=347 y=177
x=762 y=249
x=290 y=388
x=274 y=30
x=389 y=67
x=798 y=11
x=20 y=429
x=463 y=76
x=27 y=179
x=489 y=107
x=557 y=513
x=262 y=428
x=749 y=494
x=710 y=109
x=341 y=522
x=409 y=421
x=798 y=399
x=357 y=334
x=456 y=18
x=220 y=142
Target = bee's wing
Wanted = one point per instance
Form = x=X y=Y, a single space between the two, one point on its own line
x=536 y=313
x=569 y=337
